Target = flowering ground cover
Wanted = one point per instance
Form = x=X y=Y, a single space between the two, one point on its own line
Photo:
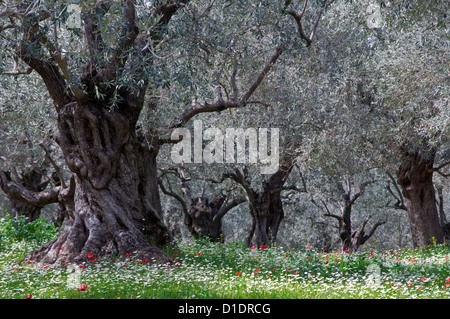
x=201 y=269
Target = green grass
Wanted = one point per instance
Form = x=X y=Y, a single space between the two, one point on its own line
x=210 y=270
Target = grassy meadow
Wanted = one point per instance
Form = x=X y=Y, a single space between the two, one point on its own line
x=205 y=270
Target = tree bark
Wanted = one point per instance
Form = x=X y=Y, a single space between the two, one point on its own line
x=200 y=218
x=266 y=209
x=415 y=176
x=267 y=213
x=114 y=205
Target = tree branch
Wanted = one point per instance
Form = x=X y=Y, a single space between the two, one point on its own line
x=49 y=72
x=61 y=61
x=438 y=169
x=171 y=193
x=91 y=30
x=374 y=228
x=298 y=19
x=400 y=204
x=226 y=207
x=221 y=104
x=18 y=192
x=263 y=73
x=56 y=167
x=362 y=189
x=128 y=36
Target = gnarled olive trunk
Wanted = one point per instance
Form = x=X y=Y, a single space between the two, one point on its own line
x=267 y=214
x=354 y=237
x=202 y=218
x=114 y=203
x=266 y=208
x=415 y=176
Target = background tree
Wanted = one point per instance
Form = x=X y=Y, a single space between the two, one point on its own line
x=202 y=214
x=411 y=101
x=387 y=107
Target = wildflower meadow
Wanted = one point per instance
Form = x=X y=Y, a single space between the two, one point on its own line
x=205 y=270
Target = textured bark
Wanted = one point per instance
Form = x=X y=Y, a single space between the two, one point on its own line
x=266 y=208
x=267 y=214
x=113 y=204
x=415 y=176
x=201 y=218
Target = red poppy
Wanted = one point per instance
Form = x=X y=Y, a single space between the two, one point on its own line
x=307 y=246
x=81 y=266
x=326 y=262
x=63 y=263
x=83 y=287
x=263 y=247
x=47 y=267
x=256 y=270
x=127 y=254
x=173 y=259
x=93 y=260
x=199 y=253
x=252 y=248
x=346 y=251
x=447 y=280
x=287 y=255
x=238 y=273
x=175 y=252
x=144 y=260
x=423 y=278
x=28 y=296
x=446 y=286
x=89 y=255
x=60 y=248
